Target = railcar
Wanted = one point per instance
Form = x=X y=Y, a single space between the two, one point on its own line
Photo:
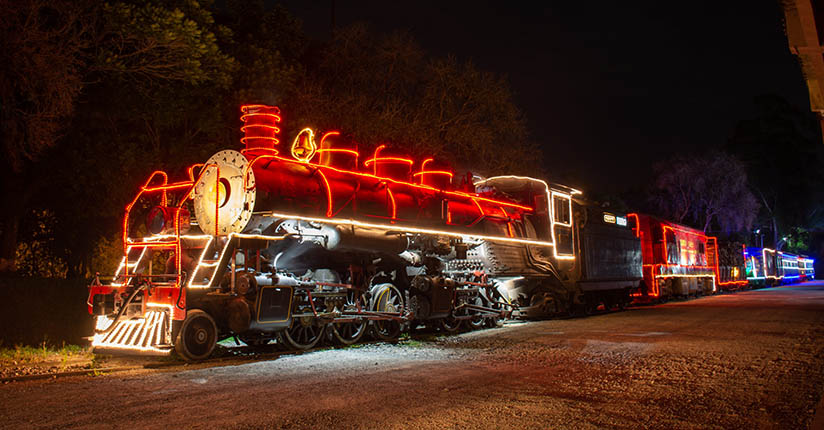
x=806 y=269
x=788 y=268
x=730 y=267
x=760 y=267
x=768 y=267
x=309 y=242
x=678 y=261
x=765 y=267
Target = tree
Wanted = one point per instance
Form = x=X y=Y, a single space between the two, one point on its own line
x=269 y=45
x=384 y=89
x=160 y=88
x=706 y=190
x=41 y=75
x=59 y=54
x=781 y=149
x=131 y=120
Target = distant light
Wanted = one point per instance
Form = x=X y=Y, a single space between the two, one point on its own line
x=784 y=238
x=758 y=231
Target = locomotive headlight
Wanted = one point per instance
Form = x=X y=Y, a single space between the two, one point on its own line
x=161 y=220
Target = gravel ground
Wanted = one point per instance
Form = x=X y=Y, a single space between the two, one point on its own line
x=749 y=360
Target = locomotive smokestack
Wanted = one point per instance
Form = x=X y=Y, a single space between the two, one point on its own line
x=260 y=126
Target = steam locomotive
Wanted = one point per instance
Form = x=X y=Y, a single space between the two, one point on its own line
x=309 y=243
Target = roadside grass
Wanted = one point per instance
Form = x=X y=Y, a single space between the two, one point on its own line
x=45 y=353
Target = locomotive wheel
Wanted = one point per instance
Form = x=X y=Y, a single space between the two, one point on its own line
x=450 y=324
x=477 y=321
x=197 y=337
x=348 y=333
x=302 y=334
x=495 y=322
x=387 y=298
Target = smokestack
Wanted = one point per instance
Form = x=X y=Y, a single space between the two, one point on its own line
x=260 y=127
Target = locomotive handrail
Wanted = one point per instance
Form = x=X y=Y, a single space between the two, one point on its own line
x=164 y=187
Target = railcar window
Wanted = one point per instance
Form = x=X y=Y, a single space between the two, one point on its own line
x=563 y=238
x=672 y=247
x=561 y=206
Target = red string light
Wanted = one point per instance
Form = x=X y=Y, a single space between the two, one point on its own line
x=260 y=126
x=423 y=172
x=394 y=206
x=347 y=151
x=434 y=172
x=329 y=212
x=384 y=179
x=163 y=188
x=388 y=159
x=327 y=134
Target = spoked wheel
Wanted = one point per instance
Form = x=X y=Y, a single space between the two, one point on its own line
x=478 y=321
x=197 y=337
x=351 y=332
x=302 y=334
x=386 y=298
x=495 y=322
x=494 y=300
x=450 y=324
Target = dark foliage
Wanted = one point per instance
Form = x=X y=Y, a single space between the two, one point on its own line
x=110 y=92
x=704 y=190
x=782 y=151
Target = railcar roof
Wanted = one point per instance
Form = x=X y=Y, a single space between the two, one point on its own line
x=513 y=184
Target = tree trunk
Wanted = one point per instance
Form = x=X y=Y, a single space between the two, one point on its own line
x=775 y=232
x=772 y=218
x=707 y=223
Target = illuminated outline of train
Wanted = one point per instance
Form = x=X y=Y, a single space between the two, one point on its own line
x=318 y=245
x=768 y=267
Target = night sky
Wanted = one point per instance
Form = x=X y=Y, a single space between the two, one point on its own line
x=607 y=89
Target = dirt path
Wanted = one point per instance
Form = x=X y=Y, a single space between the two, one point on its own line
x=749 y=360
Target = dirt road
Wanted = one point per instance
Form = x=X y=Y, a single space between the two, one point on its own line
x=749 y=360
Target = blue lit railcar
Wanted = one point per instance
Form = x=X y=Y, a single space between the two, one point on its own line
x=806 y=271
x=762 y=270
x=788 y=268
x=768 y=267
